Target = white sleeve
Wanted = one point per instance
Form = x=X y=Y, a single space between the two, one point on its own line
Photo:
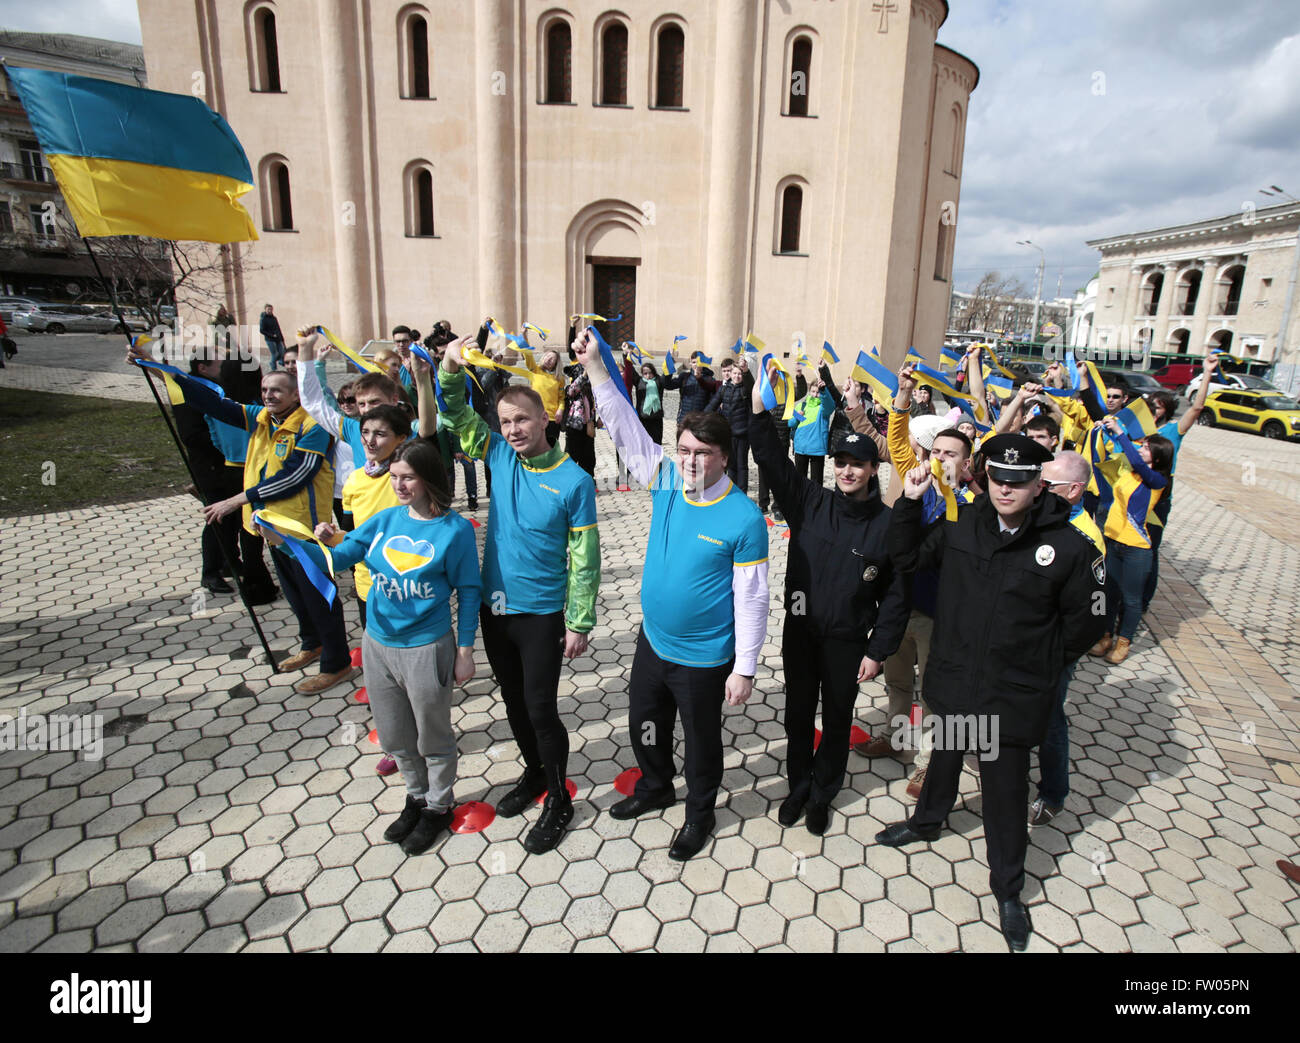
x=313 y=400
x=639 y=451
x=750 y=605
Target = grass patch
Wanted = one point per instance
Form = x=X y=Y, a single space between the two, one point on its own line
x=62 y=452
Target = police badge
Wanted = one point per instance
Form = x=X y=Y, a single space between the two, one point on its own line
x=1099 y=569
x=870 y=573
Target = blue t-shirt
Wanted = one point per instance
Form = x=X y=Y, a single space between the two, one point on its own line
x=1170 y=431
x=414 y=565
x=532 y=512
x=686 y=594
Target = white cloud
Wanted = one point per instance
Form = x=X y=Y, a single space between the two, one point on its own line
x=105 y=19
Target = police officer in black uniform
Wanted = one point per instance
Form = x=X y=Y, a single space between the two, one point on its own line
x=1018 y=600
x=846 y=606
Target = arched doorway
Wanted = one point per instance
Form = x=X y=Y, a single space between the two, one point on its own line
x=1220 y=340
x=604 y=257
x=1178 y=339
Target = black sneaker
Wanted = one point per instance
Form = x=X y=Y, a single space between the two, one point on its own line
x=473 y=504
x=401 y=827
x=529 y=787
x=431 y=826
x=777 y=515
x=556 y=816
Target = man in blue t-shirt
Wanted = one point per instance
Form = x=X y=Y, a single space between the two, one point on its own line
x=704 y=601
x=541 y=571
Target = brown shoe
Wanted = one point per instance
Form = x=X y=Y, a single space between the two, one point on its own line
x=321 y=682
x=915 y=783
x=297 y=662
x=1119 y=653
x=1102 y=646
x=880 y=746
x=1289 y=870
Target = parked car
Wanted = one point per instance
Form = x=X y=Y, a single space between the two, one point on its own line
x=1131 y=381
x=1232 y=381
x=19 y=310
x=1266 y=413
x=1176 y=376
x=70 y=318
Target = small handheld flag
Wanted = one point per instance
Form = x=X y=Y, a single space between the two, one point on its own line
x=670 y=367
x=828 y=353
x=132 y=161
x=703 y=358
x=871 y=371
x=754 y=343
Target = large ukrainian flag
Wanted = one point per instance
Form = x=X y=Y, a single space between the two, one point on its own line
x=132 y=161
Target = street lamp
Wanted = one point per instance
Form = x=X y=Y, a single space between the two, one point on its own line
x=1038 y=289
x=1280 y=349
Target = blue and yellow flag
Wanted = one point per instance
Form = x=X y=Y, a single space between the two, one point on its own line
x=876 y=375
x=753 y=344
x=1137 y=420
x=132 y=161
x=828 y=353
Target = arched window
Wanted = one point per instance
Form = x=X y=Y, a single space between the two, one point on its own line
x=419 y=200
x=277 y=200
x=264 y=49
x=800 y=71
x=1151 y=290
x=954 y=160
x=941 y=250
x=791 y=214
x=670 y=61
x=413 y=56
x=1230 y=285
x=613 y=64
x=1189 y=290
x=558 y=81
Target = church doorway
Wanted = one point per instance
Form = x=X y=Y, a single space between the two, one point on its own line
x=614 y=296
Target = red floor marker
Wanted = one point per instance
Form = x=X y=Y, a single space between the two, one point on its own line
x=770 y=523
x=785 y=535
x=361 y=695
x=478 y=525
x=473 y=817
x=373 y=736
x=857 y=735
x=569 y=784
x=915 y=719
x=626 y=782
x=356 y=657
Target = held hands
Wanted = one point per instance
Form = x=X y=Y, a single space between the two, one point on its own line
x=575 y=644
x=918 y=480
x=133 y=353
x=464 y=668
x=327 y=533
x=869 y=668
x=738 y=689
x=452 y=359
x=1028 y=390
x=214 y=512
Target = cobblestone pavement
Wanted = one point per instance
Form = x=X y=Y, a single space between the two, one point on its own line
x=229 y=813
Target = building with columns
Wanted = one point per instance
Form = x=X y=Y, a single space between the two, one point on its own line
x=1227 y=282
x=708 y=168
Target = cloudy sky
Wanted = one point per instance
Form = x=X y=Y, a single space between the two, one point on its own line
x=1091 y=118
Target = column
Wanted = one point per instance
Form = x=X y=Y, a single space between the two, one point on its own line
x=1161 y=325
x=1204 y=305
x=345 y=152
x=731 y=171
x=495 y=97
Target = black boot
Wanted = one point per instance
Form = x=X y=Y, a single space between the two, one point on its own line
x=531 y=785
x=401 y=827
x=431 y=826
x=557 y=813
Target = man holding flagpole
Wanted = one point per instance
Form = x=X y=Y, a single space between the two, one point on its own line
x=704 y=598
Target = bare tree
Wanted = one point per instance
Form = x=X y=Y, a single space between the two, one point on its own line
x=990 y=298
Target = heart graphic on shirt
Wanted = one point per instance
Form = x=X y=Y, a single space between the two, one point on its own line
x=405 y=554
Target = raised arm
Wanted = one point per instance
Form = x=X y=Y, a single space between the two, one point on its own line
x=639 y=451
x=309 y=386
x=1208 y=367
x=467 y=425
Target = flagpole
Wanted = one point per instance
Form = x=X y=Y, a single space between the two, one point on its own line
x=180 y=448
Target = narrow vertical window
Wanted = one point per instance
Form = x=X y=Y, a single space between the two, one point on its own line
x=278 y=200
x=941 y=252
x=613 y=64
x=559 y=64
x=800 y=70
x=791 y=211
x=669 y=74
x=268 y=51
x=423 y=203
x=417 y=33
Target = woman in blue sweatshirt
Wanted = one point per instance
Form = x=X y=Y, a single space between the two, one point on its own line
x=418 y=553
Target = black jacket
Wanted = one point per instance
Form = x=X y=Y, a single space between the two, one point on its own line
x=839 y=581
x=733 y=402
x=1011 y=613
x=695 y=391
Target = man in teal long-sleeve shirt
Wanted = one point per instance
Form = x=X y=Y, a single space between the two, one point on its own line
x=536 y=606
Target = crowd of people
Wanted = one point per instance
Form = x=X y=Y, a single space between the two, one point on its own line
x=967 y=552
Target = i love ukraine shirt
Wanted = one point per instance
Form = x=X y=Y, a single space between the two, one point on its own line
x=414 y=566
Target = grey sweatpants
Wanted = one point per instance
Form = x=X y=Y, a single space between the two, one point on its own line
x=410 y=698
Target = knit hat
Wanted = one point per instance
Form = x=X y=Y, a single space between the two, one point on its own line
x=925 y=428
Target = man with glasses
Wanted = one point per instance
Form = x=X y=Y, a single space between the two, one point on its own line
x=704 y=601
x=1017 y=596
x=1066 y=475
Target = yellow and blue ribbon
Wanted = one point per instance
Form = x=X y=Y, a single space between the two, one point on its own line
x=295 y=534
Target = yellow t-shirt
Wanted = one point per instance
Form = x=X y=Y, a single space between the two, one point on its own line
x=363 y=498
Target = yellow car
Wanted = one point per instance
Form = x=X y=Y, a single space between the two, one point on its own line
x=1268 y=413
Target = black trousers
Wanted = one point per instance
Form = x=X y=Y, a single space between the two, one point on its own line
x=245 y=547
x=582 y=447
x=827 y=666
x=526 y=652
x=1004 y=782
x=813 y=467
x=654 y=426
x=738 y=463
x=657 y=692
x=764 y=495
x=319 y=625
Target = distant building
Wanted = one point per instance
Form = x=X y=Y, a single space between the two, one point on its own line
x=38 y=257
x=1085 y=311
x=1008 y=317
x=733 y=165
x=1227 y=282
